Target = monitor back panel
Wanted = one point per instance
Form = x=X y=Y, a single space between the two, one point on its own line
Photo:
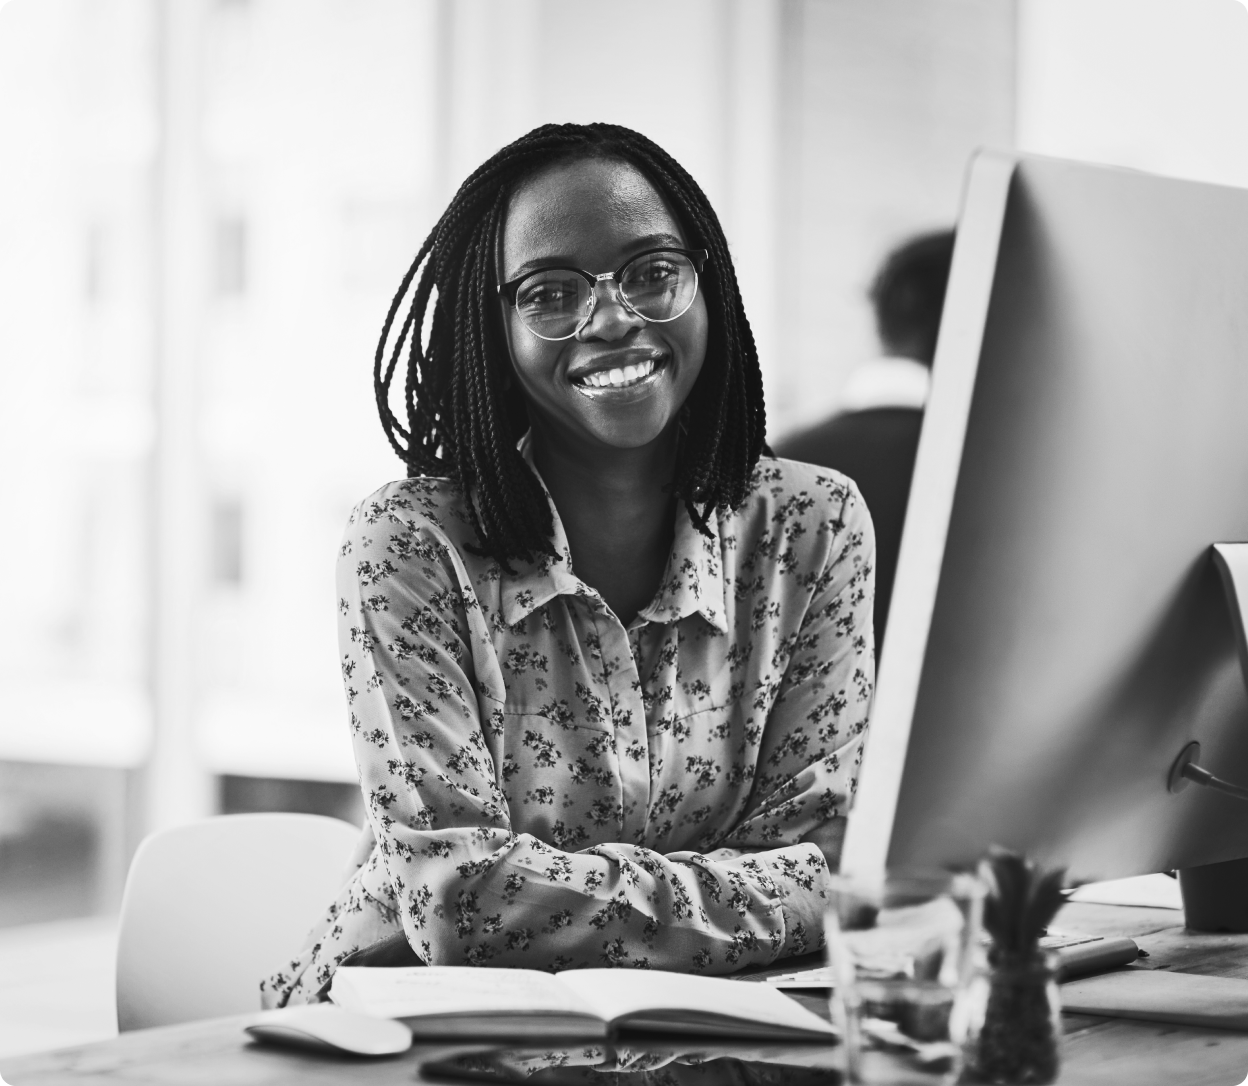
x=1078 y=635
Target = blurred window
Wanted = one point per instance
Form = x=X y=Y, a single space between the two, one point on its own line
x=95 y=257
x=64 y=841
x=227 y=541
x=245 y=795
x=231 y=256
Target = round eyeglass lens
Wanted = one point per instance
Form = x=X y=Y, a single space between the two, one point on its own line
x=552 y=303
x=659 y=286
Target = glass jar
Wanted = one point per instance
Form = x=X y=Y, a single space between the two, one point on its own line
x=902 y=950
x=1016 y=1038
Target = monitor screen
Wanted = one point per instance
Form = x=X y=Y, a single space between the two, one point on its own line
x=1058 y=630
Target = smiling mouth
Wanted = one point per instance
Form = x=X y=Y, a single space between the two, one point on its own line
x=619 y=377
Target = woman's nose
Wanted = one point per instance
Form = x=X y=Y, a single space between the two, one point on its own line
x=610 y=319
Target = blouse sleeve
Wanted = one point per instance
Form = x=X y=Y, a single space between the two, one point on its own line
x=813 y=743
x=469 y=890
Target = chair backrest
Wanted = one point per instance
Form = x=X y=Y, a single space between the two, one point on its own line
x=212 y=907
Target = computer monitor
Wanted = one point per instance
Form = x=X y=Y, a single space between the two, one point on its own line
x=1059 y=631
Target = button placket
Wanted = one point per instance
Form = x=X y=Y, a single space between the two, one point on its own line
x=617 y=670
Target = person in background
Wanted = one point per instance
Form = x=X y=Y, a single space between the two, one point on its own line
x=874 y=435
x=608 y=663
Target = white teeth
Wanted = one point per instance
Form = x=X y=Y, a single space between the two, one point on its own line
x=620 y=376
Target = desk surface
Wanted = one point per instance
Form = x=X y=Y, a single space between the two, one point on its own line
x=1097 y=1050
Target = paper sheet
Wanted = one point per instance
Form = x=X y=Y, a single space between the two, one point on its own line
x=614 y=993
x=1150 y=891
x=441 y=990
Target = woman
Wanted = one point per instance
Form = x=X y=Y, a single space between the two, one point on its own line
x=608 y=671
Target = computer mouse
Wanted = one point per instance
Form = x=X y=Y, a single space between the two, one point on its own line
x=327 y=1027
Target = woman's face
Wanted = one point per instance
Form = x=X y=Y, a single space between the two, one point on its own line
x=596 y=214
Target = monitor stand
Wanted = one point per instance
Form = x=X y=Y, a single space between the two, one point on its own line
x=1215 y=896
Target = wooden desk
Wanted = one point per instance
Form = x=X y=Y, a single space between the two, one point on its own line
x=1117 y=1050
x=1097 y=1051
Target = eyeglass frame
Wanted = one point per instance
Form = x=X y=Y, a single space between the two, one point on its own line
x=697 y=257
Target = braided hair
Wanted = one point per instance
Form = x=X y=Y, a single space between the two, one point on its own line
x=465 y=417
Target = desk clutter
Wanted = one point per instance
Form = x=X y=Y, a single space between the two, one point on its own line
x=1101 y=1044
x=376 y=1012
x=1076 y=956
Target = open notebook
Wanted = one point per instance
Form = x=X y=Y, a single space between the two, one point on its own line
x=461 y=1001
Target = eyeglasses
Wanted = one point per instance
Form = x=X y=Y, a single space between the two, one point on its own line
x=658 y=285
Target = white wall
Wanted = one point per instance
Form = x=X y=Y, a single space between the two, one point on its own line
x=1159 y=85
x=889 y=99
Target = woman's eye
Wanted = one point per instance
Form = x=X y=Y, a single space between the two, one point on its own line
x=541 y=296
x=656 y=271
x=547 y=294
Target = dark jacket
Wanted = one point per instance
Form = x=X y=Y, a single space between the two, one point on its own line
x=876 y=449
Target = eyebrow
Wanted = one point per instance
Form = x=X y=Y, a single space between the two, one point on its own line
x=638 y=245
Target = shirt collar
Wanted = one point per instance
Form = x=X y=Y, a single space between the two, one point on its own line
x=692 y=582
x=886 y=382
x=541 y=580
x=694 y=579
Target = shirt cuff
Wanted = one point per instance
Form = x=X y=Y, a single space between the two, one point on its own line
x=800 y=875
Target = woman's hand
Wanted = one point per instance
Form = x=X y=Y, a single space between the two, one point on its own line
x=394 y=950
x=828 y=838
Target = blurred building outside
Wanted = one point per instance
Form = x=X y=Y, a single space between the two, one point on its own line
x=205 y=208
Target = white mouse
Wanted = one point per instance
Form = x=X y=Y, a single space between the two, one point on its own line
x=325 y=1026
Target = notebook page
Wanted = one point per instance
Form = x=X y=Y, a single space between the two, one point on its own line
x=411 y=992
x=614 y=993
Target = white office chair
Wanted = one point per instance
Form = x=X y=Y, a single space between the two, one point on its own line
x=213 y=906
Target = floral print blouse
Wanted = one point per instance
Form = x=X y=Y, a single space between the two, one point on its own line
x=550 y=789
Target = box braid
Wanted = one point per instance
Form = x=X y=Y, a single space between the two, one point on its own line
x=464 y=413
